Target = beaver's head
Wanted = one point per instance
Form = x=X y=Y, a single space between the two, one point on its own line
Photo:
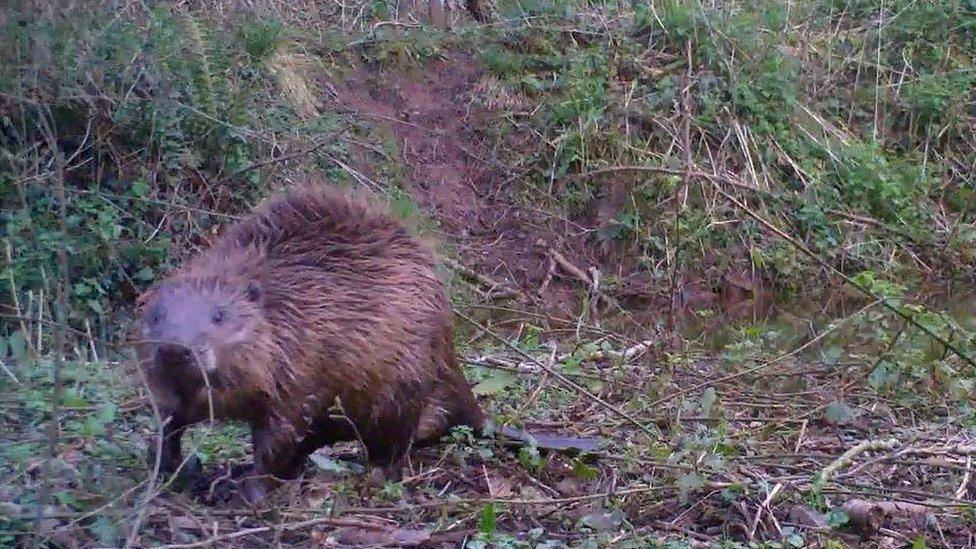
x=191 y=327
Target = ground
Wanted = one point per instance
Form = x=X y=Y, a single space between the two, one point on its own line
x=736 y=411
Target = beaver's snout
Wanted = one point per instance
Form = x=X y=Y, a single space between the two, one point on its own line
x=171 y=354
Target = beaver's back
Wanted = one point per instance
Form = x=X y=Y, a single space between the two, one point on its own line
x=352 y=298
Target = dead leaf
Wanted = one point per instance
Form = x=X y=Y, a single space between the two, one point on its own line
x=807 y=516
x=503 y=487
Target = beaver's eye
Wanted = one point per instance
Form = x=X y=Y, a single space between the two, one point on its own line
x=219 y=315
x=154 y=316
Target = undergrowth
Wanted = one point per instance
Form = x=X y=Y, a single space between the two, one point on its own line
x=669 y=136
x=846 y=121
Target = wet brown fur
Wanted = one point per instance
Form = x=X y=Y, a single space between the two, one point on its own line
x=328 y=297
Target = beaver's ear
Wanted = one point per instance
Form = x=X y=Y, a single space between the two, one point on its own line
x=253 y=291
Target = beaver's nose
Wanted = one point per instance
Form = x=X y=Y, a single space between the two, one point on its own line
x=167 y=353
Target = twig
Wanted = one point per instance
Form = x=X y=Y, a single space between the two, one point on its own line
x=964 y=484
x=568 y=266
x=278 y=528
x=9 y=373
x=559 y=377
x=8 y=254
x=759 y=510
x=321 y=142
x=491 y=284
x=151 y=483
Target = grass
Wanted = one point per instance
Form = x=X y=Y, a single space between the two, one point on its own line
x=689 y=152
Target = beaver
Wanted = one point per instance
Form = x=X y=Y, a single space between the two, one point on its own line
x=318 y=300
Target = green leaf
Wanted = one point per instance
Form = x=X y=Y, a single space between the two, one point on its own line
x=333 y=465
x=92 y=427
x=95 y=305
x=832 y=354
x=837 y=518
x=488 y=522
x=145 y=274
x=838 y=413
x=529 y=457
x=584 y=471
x=106 y=532
x=106 y=412
x=494 y=384
x=795 y=540
x=71 y=399
x=690 y=481
x=733 y=492
x=66 y=497
x=140 y=188
x=919 y=542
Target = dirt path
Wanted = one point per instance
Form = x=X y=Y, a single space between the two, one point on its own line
x=451 y=172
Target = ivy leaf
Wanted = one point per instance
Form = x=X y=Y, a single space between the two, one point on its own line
x=494 y=384
x=837 y=518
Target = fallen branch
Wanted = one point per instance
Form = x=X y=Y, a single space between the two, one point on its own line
x=278 y=528
x=850 y=454
x=627 y=354
x=496 y=289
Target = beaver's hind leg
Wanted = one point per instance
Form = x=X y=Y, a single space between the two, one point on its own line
x=451 y=403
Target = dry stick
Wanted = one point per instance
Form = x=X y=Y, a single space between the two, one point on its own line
x=9 y=373
x=568 y=266
x=484 y=280
x=680 y=197
x=321 y=142
x=8 y=254
x=61 y=307
x=151 y=485
x=759 y=509
x=964 y=484
x=558 y=376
